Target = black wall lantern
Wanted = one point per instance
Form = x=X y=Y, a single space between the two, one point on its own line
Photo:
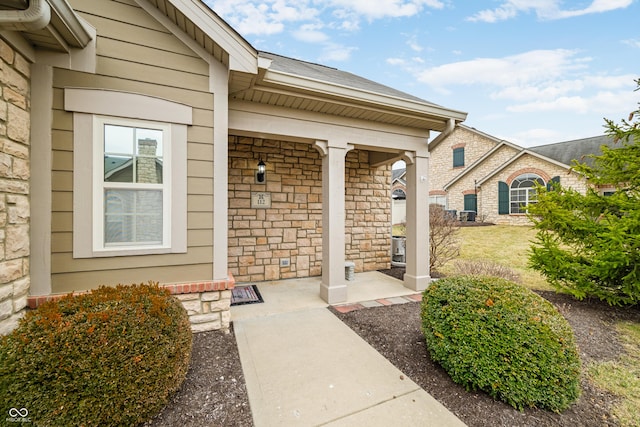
x=261 y=173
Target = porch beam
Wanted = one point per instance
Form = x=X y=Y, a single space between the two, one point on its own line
x=417 y=276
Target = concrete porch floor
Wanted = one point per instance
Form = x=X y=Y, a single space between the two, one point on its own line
x=304 y=366
x=290 y=295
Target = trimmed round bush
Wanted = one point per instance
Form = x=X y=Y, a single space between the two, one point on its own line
x=111 y=357
x=494 y=335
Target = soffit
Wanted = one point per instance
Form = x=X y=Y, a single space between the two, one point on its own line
x=199 y=22
x=289 y=83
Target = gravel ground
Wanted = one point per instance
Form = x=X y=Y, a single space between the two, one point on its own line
x=214 y=393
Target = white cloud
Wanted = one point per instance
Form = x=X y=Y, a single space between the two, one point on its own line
x=333 y=52
x=263 y=17
x=545 y=9
x=376 y=9
x=532 y=66
x=396 y=61
x=311 y=33
x=608 y=103
x=413 y=44
x=632 y=42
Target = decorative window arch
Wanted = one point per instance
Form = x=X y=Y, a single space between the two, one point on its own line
x=522 y=192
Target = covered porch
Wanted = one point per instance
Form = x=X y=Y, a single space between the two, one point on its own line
x=329 y=126
x=369 y=289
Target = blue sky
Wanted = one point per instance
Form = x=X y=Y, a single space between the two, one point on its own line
x=528 y=71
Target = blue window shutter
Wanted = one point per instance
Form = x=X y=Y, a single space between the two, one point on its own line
x=503 y=198
x=471 y=202
x=550 y=183
x=458 y=157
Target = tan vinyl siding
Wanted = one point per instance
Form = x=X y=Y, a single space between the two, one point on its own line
x=70 y=282
x=135 y=54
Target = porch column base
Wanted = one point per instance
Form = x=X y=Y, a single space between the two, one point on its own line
x=333 y=294
x=416 y=283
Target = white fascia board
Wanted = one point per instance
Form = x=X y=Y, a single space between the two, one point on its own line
x=319 y=86
x=516 y=157
x=478 y=162
x=242 y=56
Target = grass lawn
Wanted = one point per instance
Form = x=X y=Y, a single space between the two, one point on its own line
x=503 y=244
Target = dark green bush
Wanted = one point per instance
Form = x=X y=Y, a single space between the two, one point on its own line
x=494 y=335
x=111 y=357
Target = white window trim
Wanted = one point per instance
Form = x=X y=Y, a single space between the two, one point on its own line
x=528 y=192
x=99 y=245
x=89 y=107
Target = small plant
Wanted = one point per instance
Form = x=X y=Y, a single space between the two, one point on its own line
x=111 y=357
x=444 y=244
x=493 y=335
x=485 y=268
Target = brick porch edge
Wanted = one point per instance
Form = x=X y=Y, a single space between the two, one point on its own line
x=208 y=303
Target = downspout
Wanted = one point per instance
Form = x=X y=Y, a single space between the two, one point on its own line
x=451 y=124
x=35 y=17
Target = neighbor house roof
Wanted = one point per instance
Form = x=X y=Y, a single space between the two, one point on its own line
x=579 y=149
x=561 y=153
x=397 y=174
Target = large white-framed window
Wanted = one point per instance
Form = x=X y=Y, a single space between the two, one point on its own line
x=132 y=184
x=522 y=192
x=130 y=173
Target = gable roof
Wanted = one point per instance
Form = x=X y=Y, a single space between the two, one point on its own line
x=337 y=77
x=560 y=153
x=578 y=149
x=398 y=174
x=291 y=83
x=486 y=156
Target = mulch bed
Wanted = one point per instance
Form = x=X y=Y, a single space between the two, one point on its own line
x=214 y=393
x=395 y=332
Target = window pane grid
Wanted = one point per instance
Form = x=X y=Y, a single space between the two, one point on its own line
x=523 y=192
x=133 y=217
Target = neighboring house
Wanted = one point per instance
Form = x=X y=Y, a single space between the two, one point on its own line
x=131 y=135
x=473 y=171
x=398 y=196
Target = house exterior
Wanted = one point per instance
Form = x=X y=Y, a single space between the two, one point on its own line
x=131 y=132
x=474 y=171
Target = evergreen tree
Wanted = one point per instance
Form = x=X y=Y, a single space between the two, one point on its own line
x=589 y=244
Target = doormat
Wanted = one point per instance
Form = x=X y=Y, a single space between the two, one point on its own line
x=245 y=295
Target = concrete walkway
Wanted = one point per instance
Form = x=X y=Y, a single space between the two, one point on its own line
x=305 y=367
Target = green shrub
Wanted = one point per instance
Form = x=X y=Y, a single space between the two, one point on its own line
x=111 y=357
x=494 y=335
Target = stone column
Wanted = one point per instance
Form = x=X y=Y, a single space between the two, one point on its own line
x=417 y=275
x=333 y=288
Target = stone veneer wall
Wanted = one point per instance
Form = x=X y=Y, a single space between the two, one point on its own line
x=14 y=186
x=259 y=239
x=488 y=196
x=368 y=209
